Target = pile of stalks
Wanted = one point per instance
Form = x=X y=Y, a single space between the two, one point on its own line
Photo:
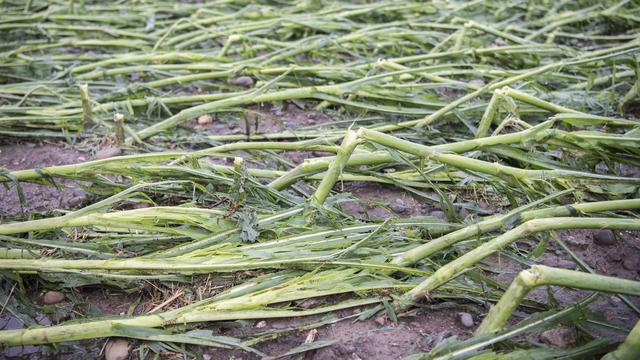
x=532 y=104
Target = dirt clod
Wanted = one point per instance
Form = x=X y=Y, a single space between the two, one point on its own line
x=604 y=237
x=441 y=337
x=466 y=319
x=53 y=297
x=381 y=320
x=205 y=120
x=398 y=206
x=245 y=81
x=108 y=153
x=630 y=263
x=116 y=349
x=559 y=337
x=560 y=262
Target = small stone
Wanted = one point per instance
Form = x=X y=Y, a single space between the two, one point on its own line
x=205 y=120
x=116 y=349
x=466 y=319
x=245 y=81
x=53 y=297
x=439 y=214
x=43 y=320
x=464 y=213
x=261 y=324
x=75 y=201
x=578 y=240
x=560 y=337
x=380 y=320
x=398 y=206
x=559 y=262
x=78 y=192
x=108 y=153
x=441 y=336
x=308 y=303
x=604 y=237
x=602 y=168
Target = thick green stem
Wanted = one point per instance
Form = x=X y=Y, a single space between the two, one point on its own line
x=89 y=166
x=629 y=349
x=540 y=275
x=136 y=218
x=314 y=166
x=507 y=172
x=335 y=168
x=87 y=114
x=489 y=114
x=454 y=268
x=496 y=222
x=106 y=328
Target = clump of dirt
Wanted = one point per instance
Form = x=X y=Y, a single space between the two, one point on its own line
x=39 y=197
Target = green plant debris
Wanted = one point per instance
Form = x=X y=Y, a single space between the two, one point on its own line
x=242 y=129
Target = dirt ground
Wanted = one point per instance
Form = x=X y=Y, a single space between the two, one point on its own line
x=376 y=338
x=30 y=155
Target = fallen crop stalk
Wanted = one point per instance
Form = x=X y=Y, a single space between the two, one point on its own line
x=454 y=268
x=539 y=275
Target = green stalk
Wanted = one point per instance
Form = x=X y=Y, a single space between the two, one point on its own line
x=259 y=96
x=124 y=219
x=87 y=115
x=497 y=222
x=454 y=268
x=316 y=165
x=629 y=349
x=539 y=275
x=594 y=56
x=506 y=172
x=334 y=171
x=107 y=328
x=199 y=244
x=489 y=113
x=89 y=166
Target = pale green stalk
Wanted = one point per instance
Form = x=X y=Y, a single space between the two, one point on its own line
x=456 y=267
x=539 y=275
x=629 y=349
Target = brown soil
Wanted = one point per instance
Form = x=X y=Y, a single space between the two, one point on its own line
x=39 y=197
x=369 y=339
